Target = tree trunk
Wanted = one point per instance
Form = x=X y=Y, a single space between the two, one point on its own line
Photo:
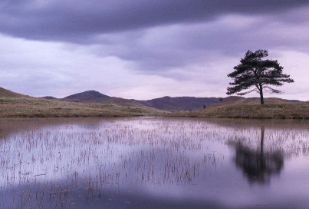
x=261 y=94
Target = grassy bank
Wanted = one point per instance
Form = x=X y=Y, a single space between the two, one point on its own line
x=256 y=111
x=23 y=106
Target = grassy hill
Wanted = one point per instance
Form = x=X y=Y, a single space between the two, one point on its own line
x=239 y=107
x=250 y=101
x=18 y=105
x=9 y=94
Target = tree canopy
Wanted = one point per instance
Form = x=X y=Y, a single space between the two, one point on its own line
x=255 y=72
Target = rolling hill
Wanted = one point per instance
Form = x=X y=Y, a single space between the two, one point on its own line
x=17 y=105
x=234 y=100
x=95 y=104
x=164 y=103
x=89 y=96
x=171 y=103
x=95 y=96
x=240 y=107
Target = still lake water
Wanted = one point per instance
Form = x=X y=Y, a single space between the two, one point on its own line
x=153 y=162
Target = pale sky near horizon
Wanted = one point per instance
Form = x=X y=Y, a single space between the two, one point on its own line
x=142 y=49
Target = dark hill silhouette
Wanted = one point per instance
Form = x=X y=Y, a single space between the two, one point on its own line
x=180 y=103
x=88 y=96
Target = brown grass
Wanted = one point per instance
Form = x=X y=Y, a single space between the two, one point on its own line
x=249 y=101
x=7 y=93
x=23 y=106
x=256 y=111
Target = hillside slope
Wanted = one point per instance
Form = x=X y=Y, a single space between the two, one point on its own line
x=9 y=94
x=18 y=105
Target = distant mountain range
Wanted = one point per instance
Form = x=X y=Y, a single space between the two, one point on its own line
x=167 y=103
x=164 y=103
x=180 y=103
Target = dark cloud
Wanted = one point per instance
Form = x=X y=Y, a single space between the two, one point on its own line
x=161 y=49
x=156 y=35
x=74 y=21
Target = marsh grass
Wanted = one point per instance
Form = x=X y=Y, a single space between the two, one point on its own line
x=53 y=164
x=62 y=163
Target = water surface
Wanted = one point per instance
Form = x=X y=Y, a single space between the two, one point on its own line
x=152 y=162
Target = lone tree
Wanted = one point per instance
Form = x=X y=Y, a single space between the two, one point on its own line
x=253 y=71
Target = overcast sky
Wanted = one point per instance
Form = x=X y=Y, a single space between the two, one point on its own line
x=140 y=49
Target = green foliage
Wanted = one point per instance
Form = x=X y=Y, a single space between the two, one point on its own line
x=255 y=72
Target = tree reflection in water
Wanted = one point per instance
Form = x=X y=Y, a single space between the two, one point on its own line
x=258 y=166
